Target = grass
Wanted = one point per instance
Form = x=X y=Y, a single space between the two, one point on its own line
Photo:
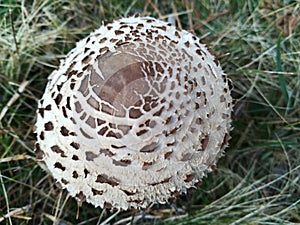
x=257 y=43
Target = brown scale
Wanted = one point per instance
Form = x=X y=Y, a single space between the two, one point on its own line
x=103 y=178
x=48 y=126
x=57 y=149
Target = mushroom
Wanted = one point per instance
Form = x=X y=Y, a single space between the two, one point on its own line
x=138 y=112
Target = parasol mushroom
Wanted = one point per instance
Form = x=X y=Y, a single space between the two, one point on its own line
x=138 y=112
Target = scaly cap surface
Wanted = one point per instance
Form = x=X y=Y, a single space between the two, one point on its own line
x=137 y=112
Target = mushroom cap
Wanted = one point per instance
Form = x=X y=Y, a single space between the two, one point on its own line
x=136 y=113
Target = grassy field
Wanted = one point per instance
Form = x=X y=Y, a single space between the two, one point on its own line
x=258 y=45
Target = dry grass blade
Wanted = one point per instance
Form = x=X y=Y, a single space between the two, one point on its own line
x=13 y=98
x=17 y=213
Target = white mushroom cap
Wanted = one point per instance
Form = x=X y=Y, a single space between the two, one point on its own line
x=138 y=112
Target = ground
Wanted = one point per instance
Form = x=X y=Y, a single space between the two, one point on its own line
x=257 y=43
